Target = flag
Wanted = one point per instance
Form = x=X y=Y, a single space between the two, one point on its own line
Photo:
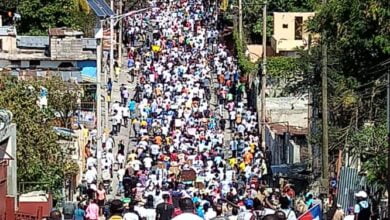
x=312 y=214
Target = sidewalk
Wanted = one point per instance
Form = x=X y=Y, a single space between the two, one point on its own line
x=124 y=133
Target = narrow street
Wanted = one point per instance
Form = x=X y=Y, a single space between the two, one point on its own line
x=194 y=110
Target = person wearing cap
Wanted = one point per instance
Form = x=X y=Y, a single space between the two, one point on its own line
x=247 y=212
x=362 y=208
x=187 y=207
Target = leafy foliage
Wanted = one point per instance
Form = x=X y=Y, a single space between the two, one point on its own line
x=358 y=32
x=244 y=63
x=40 y=157
x=62 y=99
x=282 y=67
x=252 y=10
x=370 y=143
x=358 y=40
x=37 y=16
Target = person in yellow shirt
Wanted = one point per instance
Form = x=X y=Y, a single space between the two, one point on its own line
x=242 y=166
x=252 y=146
x=132 y=156
x=232 y=161
x=144 y=123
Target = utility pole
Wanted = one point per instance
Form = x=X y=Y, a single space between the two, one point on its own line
x=120 y=34
x=240 y=28
x=310 y=114
x=388 y=141
x=264 y=76
x=112 y=42
x=99 y=103
x=325 y=141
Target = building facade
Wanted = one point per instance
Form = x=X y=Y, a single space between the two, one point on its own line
x=290 y=33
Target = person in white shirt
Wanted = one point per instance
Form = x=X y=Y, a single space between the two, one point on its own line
x=136 y=164
x=110 y=156
x=125 y=115
x=109 y=143
x=187 y=207
x=121 y=159
x=90 y=175
x=131 y=214
x=148 y=162
x=91 y=161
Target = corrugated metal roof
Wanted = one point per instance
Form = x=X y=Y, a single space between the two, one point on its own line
x=89 y=43
x=32 y=41
x=293 y=130
x=7 y=31
x=63 y=31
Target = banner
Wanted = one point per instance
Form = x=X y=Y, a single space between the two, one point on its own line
x=312 y=214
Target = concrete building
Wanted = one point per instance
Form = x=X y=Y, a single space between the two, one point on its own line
x=7 y=39
x=63 y=53
x=8 y=166
x=287 y=128
x=290 y=33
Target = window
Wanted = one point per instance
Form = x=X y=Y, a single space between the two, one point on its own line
x=298 y=28
x=15 y=63
x=35 y=63
x=65 y=65
x=285 y=25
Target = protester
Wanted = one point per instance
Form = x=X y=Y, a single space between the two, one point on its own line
x=92 y=211
x=187 y=207
x=181 y=164
x=362 y=208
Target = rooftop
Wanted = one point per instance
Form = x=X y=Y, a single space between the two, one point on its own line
x=63 y=31
x=280 y=129
x=287 y=103
x=7 y=31
x=40 y=42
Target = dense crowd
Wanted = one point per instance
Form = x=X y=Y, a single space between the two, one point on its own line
x=197 y=153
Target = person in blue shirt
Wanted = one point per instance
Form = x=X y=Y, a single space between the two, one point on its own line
x=199 y=210
x=132 y=107
x=79 y=213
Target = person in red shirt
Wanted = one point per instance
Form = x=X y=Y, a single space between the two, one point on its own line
x=174 y=156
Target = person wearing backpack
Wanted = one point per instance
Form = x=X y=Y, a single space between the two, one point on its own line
x=285 y=207
x=362 y=209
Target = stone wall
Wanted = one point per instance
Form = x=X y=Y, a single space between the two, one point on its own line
x=67 y=48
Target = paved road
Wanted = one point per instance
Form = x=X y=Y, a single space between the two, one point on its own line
x=124 y=133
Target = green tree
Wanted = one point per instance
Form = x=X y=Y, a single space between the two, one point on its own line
x=37 y=16
x=40 y=157
x=369 y=143
x=358 y=32
x=252 y=14
x=62 y=99
x=358 y=40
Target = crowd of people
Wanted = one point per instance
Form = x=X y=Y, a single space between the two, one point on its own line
x=197 y=152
